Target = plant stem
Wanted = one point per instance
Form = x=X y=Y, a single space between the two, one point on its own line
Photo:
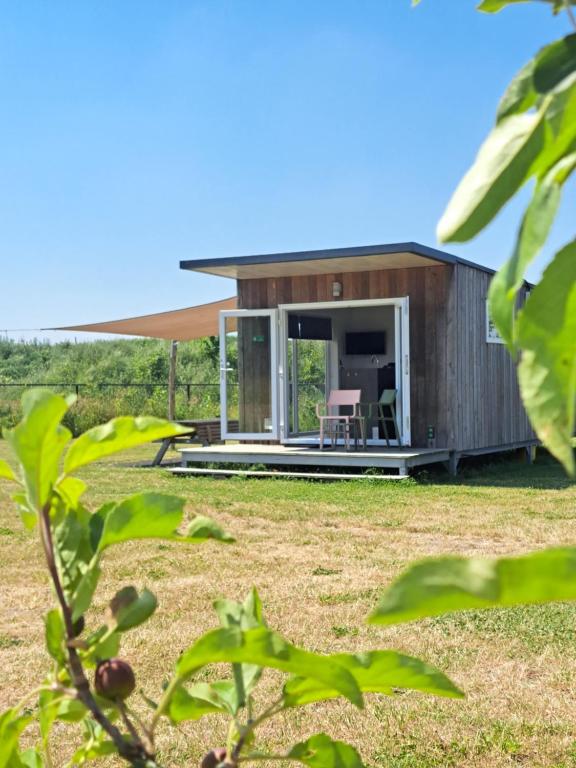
x=48 y=754
x=135 y=716
x=163 y=703
x=570 y=12
x=128 y=723
x=134 y=753
x=272 y=710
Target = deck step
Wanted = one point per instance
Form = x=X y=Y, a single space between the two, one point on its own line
x=280 y=475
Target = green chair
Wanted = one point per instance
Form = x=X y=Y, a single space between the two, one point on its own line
x=387 y=401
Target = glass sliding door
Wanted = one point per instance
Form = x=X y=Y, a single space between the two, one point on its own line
x=248 y=374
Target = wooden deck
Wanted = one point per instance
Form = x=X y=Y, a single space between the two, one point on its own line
x=400 y=459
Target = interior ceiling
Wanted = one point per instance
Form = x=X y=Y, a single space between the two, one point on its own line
x=177 y=325
x=320 y=266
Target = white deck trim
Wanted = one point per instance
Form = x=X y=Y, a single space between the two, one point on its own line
x=400 y=459
x=281 y=475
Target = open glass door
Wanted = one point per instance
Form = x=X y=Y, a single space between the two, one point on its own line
x=402 y=333
x=248 y=374
x=307 y=383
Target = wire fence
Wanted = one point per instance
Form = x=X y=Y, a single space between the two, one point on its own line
x=98 y=402
x=78 y=388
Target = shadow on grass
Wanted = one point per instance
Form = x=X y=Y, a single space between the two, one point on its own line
x=506 y=470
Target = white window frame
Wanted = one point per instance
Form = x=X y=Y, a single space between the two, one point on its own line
x=492 y=335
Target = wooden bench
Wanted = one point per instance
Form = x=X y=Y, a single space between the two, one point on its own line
x=205 y=431
x=208 y=430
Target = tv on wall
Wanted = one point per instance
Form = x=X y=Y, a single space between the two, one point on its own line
x=309 y=327
x=366 y=343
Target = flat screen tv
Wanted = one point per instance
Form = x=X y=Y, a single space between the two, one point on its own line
x=309 y=327
x=366 y=343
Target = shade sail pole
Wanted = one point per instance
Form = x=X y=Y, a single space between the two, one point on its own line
x=172 y=381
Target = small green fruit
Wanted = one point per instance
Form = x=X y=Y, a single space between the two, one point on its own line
x=213 y=758
x=114 y=679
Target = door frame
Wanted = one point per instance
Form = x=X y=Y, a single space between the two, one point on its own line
x=274 y=433
x=402 y=355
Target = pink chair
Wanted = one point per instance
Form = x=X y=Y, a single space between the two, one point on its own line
x=334 y=420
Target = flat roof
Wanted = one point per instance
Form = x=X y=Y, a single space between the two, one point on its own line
x=332 y=260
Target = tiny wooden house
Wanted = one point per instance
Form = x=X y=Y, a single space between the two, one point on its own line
x=400 y=316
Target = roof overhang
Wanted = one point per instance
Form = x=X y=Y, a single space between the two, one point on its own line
x=333 y=260
x=177 y=325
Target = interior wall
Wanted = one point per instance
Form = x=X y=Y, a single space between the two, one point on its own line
x=364 y=319
x=356 y=319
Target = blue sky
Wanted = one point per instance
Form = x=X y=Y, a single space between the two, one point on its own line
x=138 y=133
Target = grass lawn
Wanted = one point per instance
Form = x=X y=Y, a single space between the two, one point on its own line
x=319 y=555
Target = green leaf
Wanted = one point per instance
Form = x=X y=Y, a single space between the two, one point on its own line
x=154 y=516
x=12 y=723
x=129 y=609
x=6 y=471
x=30 y=758
x=118 y=435
x=493 y=6
x=541 y=75
x=192 y=704
x=555 y=63
x=143 y=516
x=547 y=370
x=102 y=644
x=73 y=546
x=53 y=705
x=55 y=635
x=85 y=588
x=375 y=672
x=560 y=127
x=78 y=564
x=38 y=442
x=70 y=489
x=28 y=517
x=203 y=528
x=92 y=750
x=534 y=230
x=440 y=585
x=520 y=94
x=246 y=615
x=266 y=649
x=320 y=751
x=503 y=164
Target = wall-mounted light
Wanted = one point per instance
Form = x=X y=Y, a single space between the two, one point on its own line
x=336 y=289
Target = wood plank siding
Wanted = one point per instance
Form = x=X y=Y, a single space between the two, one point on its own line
x=488 y=406
x=463 y=386
x=432 y=327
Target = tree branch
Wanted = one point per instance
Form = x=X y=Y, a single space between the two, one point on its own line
x=132 y=752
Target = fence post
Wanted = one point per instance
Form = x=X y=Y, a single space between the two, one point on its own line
x=172 y=381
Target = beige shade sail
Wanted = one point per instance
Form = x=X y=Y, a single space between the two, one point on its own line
x=176 y=325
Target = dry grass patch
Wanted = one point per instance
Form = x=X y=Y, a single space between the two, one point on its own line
x=319 y=554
